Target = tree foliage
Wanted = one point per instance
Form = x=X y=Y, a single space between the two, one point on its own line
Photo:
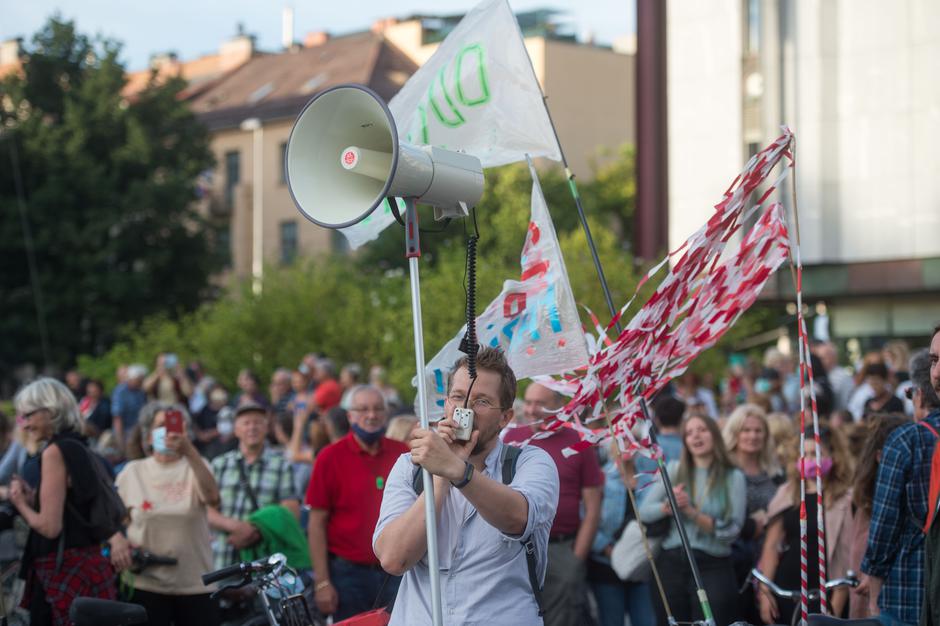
x=107 y=186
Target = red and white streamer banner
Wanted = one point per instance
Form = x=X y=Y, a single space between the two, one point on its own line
x=699 y=299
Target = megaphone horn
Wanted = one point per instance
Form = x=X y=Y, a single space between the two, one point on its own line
x=344 y=158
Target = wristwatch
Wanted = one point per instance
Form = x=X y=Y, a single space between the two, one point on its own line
x=467 y=475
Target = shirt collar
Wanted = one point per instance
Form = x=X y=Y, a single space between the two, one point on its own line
x=492 y=459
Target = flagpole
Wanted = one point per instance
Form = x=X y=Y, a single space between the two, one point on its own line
x=412 y=252
x=599 y=268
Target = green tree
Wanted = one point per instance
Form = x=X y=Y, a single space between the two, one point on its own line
x=108 y=184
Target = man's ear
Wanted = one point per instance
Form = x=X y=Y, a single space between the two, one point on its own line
x=507 y=417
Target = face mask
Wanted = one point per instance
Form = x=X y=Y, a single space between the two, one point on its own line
x=225 y=427
x=812 y=470
x=367 y=437
x=159 y=441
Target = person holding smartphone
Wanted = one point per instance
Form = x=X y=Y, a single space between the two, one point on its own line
x=167 y=495
x=168 y=383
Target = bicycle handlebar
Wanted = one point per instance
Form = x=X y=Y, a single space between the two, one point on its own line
x=850 y=580
x=270 y=565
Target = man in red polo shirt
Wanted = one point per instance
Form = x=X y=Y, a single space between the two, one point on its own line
x=569 y=541
x=345 y=495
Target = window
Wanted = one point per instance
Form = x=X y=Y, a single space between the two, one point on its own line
x=232 y=176
x=223 y=245
x=752 y=40
x=283 y=154
x=288 y=241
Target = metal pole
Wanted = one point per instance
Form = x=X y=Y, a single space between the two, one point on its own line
x=257 y=202
x=683 y=536
x=702 y=596
x=412 y=252
x=30 y=252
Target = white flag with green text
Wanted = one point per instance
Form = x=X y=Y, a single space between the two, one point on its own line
x=476 y=94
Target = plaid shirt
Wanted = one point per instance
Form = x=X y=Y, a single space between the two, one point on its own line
x=895 y=550
x=271 y=479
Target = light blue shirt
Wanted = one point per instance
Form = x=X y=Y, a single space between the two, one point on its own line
x=483 y=572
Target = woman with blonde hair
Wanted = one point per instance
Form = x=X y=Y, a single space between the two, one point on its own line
x=710 y=495
x=780 y=557
x=751 y=447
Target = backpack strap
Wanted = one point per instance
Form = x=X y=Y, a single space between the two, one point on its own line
x=934 y=490
x=509 y=456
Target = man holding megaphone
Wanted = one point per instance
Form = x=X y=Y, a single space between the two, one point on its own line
x=495 y=505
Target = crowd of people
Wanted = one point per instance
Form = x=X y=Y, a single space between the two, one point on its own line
x=324 y=467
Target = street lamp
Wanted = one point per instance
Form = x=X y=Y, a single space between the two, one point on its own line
x=253 y=125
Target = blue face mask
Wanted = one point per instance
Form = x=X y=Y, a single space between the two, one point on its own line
x=367 y=437
x=159 y=441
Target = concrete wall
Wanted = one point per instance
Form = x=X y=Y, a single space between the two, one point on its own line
x=706 y=146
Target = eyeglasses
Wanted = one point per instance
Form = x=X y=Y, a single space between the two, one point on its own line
x=367 y=409
x=478 y=404
x=29 y=414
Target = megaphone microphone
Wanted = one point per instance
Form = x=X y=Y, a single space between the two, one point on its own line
x=343 y=159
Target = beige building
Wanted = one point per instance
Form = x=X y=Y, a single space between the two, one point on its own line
x=250 y=99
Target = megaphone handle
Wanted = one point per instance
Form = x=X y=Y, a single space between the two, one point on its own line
x=412 y=237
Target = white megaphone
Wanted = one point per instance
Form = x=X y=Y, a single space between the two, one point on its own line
x=344 y=158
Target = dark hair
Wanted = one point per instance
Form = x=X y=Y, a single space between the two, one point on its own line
x=492 y=360
x=920 y=378
x=669 y=411
x=866 y=473
x=876 y=369
x=339 y=420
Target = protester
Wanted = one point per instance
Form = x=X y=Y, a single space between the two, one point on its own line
x=883 y=399
x=863 y=496
x=667 y=416
x=168 y=383
x=249 y=386
x=345 y=495
x=167 y=496
x=95 y=408
x=894 y=559
x=863 y=391
x=580 y=485
x=840 y=380
x=752 y=449
x=328 y=392
x=250 y=477
x=780 y=558
x=62 y=559
x=207 y=424
x=126 y=401
x=301 y=398
x=350 y=377
x=711 y=495
x=616 y=598
x=336 y=423
x=689 y=391
x=76 y=383
x=280 y=390
x=484 y=525
x=931 y=609
x=377 y=378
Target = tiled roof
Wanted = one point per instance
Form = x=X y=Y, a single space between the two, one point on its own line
x=276 y=86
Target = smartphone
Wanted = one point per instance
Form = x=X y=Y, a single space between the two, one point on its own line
x=174 y=421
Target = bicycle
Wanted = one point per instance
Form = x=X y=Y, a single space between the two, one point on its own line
x=279 y=588
x=850 y=580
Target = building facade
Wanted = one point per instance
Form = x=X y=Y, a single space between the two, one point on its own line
x=853 y=81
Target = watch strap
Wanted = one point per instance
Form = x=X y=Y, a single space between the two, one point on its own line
x=467 y=475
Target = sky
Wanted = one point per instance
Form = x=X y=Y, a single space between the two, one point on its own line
x=192 y=28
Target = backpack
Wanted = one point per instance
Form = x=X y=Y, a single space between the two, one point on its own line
x=934 y=491
x=508 y=458
x=106 y=512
